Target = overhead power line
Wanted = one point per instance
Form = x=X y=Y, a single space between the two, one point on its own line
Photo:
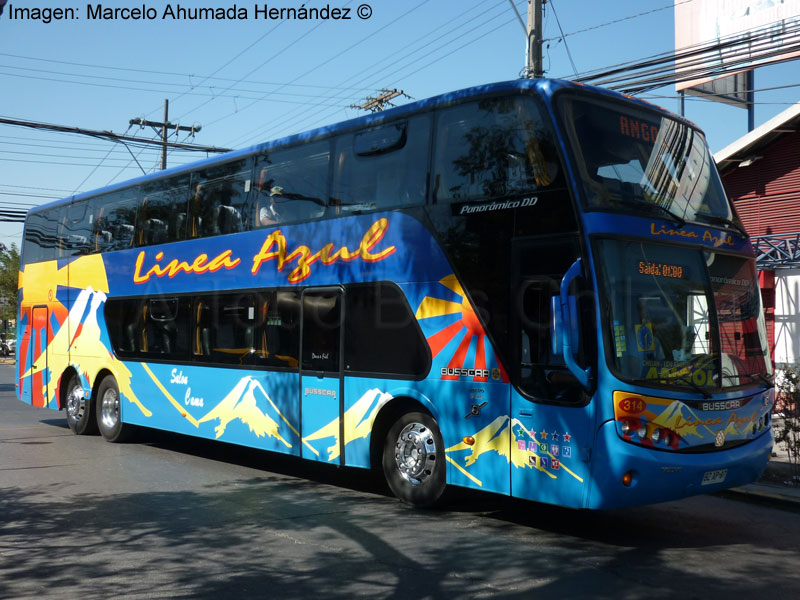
x=170 y=74
x=615 y=21
x=12 y=216
x=109 y=135
x=380 y=69
x=700 y=60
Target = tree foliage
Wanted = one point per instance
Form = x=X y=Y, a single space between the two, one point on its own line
x=787 y=407
x=9 y=274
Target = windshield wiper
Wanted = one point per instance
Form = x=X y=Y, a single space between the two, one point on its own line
x=717 y=219
x=753 y=377
x=650 y=207
x=763 y=378
x=691 y=384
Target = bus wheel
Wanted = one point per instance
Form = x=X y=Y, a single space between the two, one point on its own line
x=80 y=416
x=413 y=459
x=109 y=419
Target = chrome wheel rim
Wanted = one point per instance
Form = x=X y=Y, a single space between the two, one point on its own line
x=415 y=453
x=76 y=404
x=109 y=409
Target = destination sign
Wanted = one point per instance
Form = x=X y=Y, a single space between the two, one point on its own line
x=660 y=270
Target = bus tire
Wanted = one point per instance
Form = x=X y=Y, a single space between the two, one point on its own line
x=109 y=415
x=80 y=416
x=413 y=460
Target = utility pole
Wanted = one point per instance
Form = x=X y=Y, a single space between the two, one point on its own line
x=534 y=67
x=165 y=127
x=379 y=103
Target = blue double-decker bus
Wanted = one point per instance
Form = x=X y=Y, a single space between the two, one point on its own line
x=535 y=288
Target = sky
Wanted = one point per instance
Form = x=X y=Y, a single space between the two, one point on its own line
x=255 y=79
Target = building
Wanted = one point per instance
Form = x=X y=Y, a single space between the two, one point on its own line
x=761 y=172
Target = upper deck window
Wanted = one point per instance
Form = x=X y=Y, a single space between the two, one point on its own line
x=113 y=217
x=219 y=199
x=634 y=160
x=162 y=211
x=41 y=235
x=493 y=148
x=382 y=167
x=291 y=183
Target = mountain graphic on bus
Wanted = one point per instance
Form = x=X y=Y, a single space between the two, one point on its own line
x=49 y=283
x=358 y=421
x=89 y=352
x=244 y=403
x=680 y=419
x=510 y=439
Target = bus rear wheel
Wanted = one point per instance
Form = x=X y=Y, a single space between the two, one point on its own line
x=109 y=415
x=413 y=460
x=80 y=416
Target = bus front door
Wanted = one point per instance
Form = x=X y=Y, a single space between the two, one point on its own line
x=321 y=383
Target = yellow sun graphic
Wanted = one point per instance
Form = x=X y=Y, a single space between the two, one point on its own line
x=468 y=327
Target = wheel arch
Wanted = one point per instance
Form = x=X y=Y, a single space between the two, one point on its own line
x=402 y=402
x=101 y=374
x=63 y=388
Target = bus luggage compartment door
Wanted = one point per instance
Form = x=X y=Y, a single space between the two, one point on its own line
x=321 y=401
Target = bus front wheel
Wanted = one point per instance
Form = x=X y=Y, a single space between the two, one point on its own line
x=413 y=459
x=80 y=416
x=109 y=416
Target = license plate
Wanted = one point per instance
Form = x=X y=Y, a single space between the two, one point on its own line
x=712 y=477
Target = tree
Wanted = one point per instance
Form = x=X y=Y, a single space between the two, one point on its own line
x=787 y=405
x=9 y=276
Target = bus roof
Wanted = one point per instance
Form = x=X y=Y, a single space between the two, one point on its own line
x=548 y=86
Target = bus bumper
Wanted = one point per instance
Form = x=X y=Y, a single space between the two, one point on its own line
x=659 y=476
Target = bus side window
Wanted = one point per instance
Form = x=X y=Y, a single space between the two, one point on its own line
x=219 y=199
x=162 y=214
x=542 y=375
x=382 y=335
x=283 y=329
x=41 y=235
x=113 y=220
x=167 y=327
x=291 y=184
x=75 y=231
x=382 y=167
x=227 y=328
x=494 y=148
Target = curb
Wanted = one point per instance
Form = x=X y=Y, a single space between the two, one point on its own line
x=755 y=494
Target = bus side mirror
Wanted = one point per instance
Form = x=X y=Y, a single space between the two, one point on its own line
x=565 y=326
x=558 y=329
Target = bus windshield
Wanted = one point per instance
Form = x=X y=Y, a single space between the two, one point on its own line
x=634 y=160
x=682 y=317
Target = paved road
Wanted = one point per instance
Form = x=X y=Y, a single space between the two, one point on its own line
x=180 y=518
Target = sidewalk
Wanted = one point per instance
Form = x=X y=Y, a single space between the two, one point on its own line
x=776 y=484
